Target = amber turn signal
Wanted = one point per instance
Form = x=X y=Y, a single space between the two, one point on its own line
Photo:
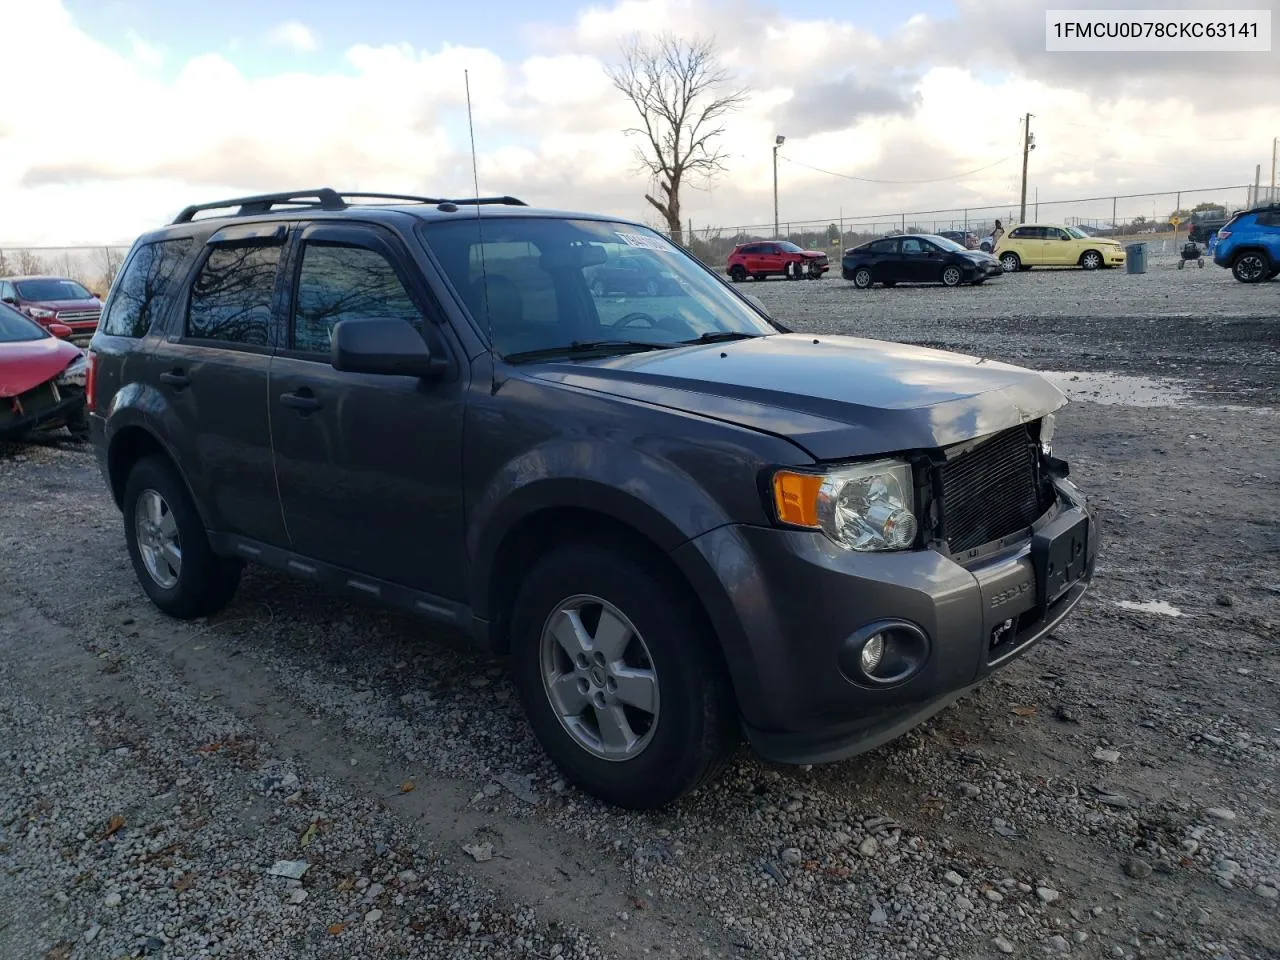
x=796 y=497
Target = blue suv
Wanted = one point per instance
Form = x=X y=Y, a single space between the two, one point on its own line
x=1249 y=243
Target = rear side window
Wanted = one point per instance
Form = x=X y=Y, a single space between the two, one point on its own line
x=1271 y=219
x=346 y=283
x=146 y=288
x=884 y=246
x=231 y=296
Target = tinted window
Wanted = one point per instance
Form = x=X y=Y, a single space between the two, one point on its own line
x=231 y=296
x=345 y=283
x=52 y=290
x=144 y=291
x=15 y=328
x=884 y=246
x=1269 y=219
x=1021 y=233
x=911 y=245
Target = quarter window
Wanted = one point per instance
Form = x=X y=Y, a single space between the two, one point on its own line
x=145 y=289
x=346 y=283
x=231 y=296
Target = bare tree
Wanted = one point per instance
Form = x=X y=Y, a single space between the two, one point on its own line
x=680 y=91
x=29 y=264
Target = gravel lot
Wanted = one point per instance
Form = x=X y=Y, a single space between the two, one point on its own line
x=1113 y=794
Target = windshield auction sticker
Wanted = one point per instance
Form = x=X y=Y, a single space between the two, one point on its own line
x=648 y=243
x=1158 y=31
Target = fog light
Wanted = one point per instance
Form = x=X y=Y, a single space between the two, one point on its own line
x=872 y=651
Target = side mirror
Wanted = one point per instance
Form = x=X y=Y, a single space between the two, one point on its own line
x=13 y=300
x=384 y=346
x=59 y=330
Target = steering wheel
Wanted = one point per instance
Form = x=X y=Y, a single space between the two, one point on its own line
x=636 y=315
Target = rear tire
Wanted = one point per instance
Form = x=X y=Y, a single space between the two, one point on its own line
x=1251 y=267
x=170 y=550
x=687 y=736
x=737 y=273
x=862 y=278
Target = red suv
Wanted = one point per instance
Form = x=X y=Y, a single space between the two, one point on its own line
x=49 y=300
x=765 y=258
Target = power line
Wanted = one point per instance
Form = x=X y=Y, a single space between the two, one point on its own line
x=849 y=176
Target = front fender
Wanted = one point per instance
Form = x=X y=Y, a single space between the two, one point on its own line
x=647 y=493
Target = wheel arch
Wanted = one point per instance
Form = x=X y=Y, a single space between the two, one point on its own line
x=129 y=444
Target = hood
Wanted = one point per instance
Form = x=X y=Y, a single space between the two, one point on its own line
x=813 y=254
x=834 y=396
x=979 y=256
x=30 y=363
x=93 y=303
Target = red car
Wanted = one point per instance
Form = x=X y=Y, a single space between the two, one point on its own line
x=766 y=258
x=49 y=300
x=42 y=378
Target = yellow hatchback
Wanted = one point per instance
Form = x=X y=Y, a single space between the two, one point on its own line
x=1055 y=245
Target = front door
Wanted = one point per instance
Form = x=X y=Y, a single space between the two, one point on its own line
x=1059 y=248
x=369 y=466
x=211 y=370
x=916 y=265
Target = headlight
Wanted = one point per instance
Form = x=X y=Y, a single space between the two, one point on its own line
x=76 y=372
x=864 y=507
x=41 y=313
x=1047 y=424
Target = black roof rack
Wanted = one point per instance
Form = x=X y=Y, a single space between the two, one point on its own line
x=324 y=198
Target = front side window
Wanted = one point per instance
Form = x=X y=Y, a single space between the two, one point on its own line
x=534 y=284
x=345 y=283
x=231 y=296
x=51 y=290
x=15 y=328
x=145 y=289
x=910 y=245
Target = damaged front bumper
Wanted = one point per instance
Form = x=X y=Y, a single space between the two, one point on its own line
x=56 y=403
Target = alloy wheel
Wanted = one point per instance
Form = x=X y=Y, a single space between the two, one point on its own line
x=158 y=540
x=1250 y=268
x=599 y=677
x=951 y=276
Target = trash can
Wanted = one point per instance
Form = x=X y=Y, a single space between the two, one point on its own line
x=1135 y=258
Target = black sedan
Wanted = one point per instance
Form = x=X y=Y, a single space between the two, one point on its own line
x=917 y=258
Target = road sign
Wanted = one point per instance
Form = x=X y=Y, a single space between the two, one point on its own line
x=1175 y=221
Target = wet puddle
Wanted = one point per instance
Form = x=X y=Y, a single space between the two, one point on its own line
x=1133 y=391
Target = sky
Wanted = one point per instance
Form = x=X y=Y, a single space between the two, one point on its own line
x=135 y=108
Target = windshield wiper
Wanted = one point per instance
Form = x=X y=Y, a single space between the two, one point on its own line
x=588 y=346
x=720 y=336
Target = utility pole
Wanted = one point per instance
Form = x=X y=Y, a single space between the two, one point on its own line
x=1027 y=147
x=777 y=142
x=1274 y=141
x=1257 y=185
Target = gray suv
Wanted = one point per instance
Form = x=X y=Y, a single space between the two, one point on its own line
x=680 y=521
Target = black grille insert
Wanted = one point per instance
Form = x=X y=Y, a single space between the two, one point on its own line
x=990 y=491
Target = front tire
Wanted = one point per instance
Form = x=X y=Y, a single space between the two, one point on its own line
x=1091 y=259
x=1010 y=262
x=862 y=278
x=1251 y=267
x=167 y=543
x=612 y=663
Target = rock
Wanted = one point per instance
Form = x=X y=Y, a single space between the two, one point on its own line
x=1220 y=813
x=794 y=806
x=293 y=869
x=1003 y=945
x=1267 y=892
x=1225 y=600
x=878 y=916
x=373 y=916
x=963 y=902
x=490 y=790
x=1058 y=944
x=969 y=790
x=953 y=878
x=112 y=899
x=1047 y=894
x=373 y=891
x=869 y=847
x=1105 y=755
x=298 y=895
x=995 y=896
x=520 y=786
x=480 y=852
x=791 y=856
x=1137 y=868
x=407 y=876
x=842 y=839
x=92 y=933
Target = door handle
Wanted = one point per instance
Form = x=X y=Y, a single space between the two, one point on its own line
x=306 y=402
x=175 y=378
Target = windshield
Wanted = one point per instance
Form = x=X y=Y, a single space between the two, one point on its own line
x=52 y=290
x=788 y=247
x=1077 y=233
x=15 y=328
x=542 y=284
x=947 y=244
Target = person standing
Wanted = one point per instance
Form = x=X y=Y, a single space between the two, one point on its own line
x=996 y=233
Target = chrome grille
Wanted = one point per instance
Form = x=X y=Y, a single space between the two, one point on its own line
x=990 y=491
x=78 y=316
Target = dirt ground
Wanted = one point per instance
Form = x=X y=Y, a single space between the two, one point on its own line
x=1112 y=794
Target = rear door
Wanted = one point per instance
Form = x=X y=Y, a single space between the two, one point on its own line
x=211 y=369
x=369 y=466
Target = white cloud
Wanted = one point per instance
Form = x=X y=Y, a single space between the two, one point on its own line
x=294 y=35
x=549 y=125
x=144 y=53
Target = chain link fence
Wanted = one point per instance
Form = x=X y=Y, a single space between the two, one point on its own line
x=1144 y=216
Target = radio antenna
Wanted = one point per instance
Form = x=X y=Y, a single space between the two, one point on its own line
x=484 y=275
